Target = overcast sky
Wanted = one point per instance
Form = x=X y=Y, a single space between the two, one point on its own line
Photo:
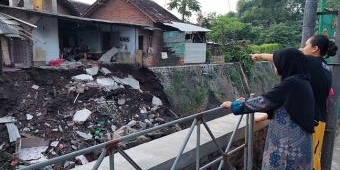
x=218 y=6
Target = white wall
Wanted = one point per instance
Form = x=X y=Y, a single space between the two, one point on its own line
x=48 y=48
x=195 y=52
x=129 y=32
x=124 y=32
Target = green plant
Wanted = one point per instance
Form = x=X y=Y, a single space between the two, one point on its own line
x=199 y=96
x=235 y=78
x=264 y=48
x=240 y=52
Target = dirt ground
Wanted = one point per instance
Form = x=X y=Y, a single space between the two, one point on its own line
x=53 y=105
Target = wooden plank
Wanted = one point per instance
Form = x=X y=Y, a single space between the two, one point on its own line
x=139 y=57
x=5 y=51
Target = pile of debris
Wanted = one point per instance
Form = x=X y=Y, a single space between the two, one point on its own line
x=46 y=113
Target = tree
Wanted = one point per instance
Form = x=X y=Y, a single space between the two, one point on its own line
x=185 y=7
x=333 y=4
x=267 y=12
x=227 y=29
x=273 y=21
x=206 y=21
x=283 y=34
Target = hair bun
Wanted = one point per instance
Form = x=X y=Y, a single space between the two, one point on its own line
x=332 y=48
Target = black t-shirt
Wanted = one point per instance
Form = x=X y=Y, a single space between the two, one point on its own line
x=321 y=81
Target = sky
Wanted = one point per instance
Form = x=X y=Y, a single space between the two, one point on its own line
x=207 y=6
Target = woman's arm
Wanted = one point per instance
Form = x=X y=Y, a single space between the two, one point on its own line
x=262 y=56
x=256 y=104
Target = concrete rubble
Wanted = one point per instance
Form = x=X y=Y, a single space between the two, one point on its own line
x=78 y=107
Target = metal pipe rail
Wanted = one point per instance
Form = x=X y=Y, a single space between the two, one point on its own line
x=112 y=145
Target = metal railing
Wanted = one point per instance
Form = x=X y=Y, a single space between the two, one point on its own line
x=111 y=146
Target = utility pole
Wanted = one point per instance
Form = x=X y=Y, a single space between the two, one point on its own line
x=309 y=19
x=334 y=106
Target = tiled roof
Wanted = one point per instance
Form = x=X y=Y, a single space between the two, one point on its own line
x=79 y=6
x=154 y=11
x=150 y=8
x=70 y=6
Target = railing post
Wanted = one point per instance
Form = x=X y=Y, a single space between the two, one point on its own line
x=100 y=159
x=183 y=146
x=198 y=141
x=245 y=154
x=224 y=161
x=250 y=127
x=112 y=161
x=248 y=151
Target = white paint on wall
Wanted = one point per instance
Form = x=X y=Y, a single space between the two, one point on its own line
x=48 y=48
x=130 y=33
x=195 y=52
x=127 y=34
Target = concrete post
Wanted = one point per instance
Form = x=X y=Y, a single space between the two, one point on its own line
x=28 y=4
x=309 y=19
x=13 y=3
x=54 y=6
x=334 y=108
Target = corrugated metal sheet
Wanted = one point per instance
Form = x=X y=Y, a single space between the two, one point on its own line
x=14 y=36
x=9 y=22
x=173 y=36
x=174 y=40
x=185 y=27
x=6 y=29
x=9 y=27
x=178 y=48
x=195 y=53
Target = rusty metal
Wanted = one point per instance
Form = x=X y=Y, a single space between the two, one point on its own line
x=111 y=146
x=199 y=118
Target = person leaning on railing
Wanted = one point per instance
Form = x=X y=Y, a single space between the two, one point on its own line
x=290 y=108
x=316 y=49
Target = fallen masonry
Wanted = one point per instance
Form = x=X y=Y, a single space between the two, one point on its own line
x=48 y=112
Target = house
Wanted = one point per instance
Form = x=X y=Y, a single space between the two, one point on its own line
x=159 y=29
x=56 y=30
x=11 y=36
x=135 y=29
